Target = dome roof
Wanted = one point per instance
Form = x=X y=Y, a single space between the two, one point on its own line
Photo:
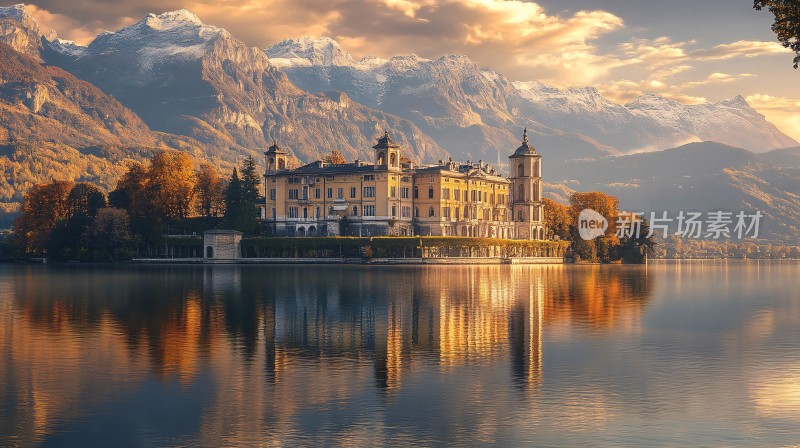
x=526 y=148
x=385 y=142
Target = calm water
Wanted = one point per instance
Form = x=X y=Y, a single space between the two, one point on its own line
x=675 y=354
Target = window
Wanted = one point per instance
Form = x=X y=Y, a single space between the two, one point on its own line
x=352 y=192
x=404 y=192
x=431 y=212
x=317 y=193
x=405 y=179
x=305 y=213
x=305 y=193
x=369 y=210
x=465 y=195
x=458 y=213
x=416 y=212
x=491 y=199
x=392 y=192
x=293 y=212
x=430 y=193
x=445 y=193
x=521 y=170
x=316 y=212
x=330 y=193
x=416 y=192
x=293 y=193
x=521 y=193
x=520 y=216
x=446 y=212
x=340 y=193
x=355 y=211
x=394 y=211
x=456 y=194
x=274 y=213
x=369 y=177
x=405 y=211
x=369 y=192
x=393 y=159
x=381 y=159
x=273 y=194
x=485 y=214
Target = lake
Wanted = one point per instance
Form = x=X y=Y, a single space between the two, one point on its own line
x=670 y=354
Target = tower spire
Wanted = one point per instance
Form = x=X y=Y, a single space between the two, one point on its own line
x=525 y=135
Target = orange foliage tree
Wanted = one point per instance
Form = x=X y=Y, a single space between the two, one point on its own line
x=45 y=205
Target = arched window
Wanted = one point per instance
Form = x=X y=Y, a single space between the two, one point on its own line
x=393 y=159
x=431 y=212
x=381 y=158
x=355 y=211
x=520 y=216
x=281 y=164
x=271 y=164
x=416 y=192
x=430 y=192
x=521 y=193
x=521 y=170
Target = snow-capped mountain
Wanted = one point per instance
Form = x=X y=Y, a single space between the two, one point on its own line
x=19 y=30
x=452 y=91
x=185 y=77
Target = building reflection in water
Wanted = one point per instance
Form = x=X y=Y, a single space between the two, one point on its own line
x=280 y=342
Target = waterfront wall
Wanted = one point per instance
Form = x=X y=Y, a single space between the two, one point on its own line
x=384 y=248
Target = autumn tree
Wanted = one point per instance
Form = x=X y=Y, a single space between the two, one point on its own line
x=86 y=199
x=171 y=185
x=131 y=191
x=209 y=191
x=557 y=218
x=109 y=235
x=83 y=203
x=44 y=206
x=787 y=23
x=602 y=248
x=334 y=158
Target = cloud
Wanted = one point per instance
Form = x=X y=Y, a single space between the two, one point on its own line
x=780 y=111
x=742 y=48
x=518 y=38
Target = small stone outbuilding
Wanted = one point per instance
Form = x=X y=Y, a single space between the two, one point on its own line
x=222 y=245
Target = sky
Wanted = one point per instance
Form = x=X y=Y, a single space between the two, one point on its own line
x=688 y=50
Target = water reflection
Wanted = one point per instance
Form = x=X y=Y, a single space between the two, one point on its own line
x=253 y=355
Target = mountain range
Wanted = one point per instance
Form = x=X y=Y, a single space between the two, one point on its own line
x=171 y=81
x=447 y=95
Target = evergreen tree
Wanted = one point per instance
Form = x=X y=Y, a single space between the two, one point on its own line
x=234 y=212
x=251 y=181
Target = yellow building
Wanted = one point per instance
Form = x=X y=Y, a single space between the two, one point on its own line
x=391 y=196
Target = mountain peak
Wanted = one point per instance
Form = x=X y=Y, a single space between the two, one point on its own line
x=17 y=12
x=19 y=29
x=308 y=50
x=737 y=102
x=171 y=19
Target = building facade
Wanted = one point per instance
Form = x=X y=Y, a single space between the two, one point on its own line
x=392 y=196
